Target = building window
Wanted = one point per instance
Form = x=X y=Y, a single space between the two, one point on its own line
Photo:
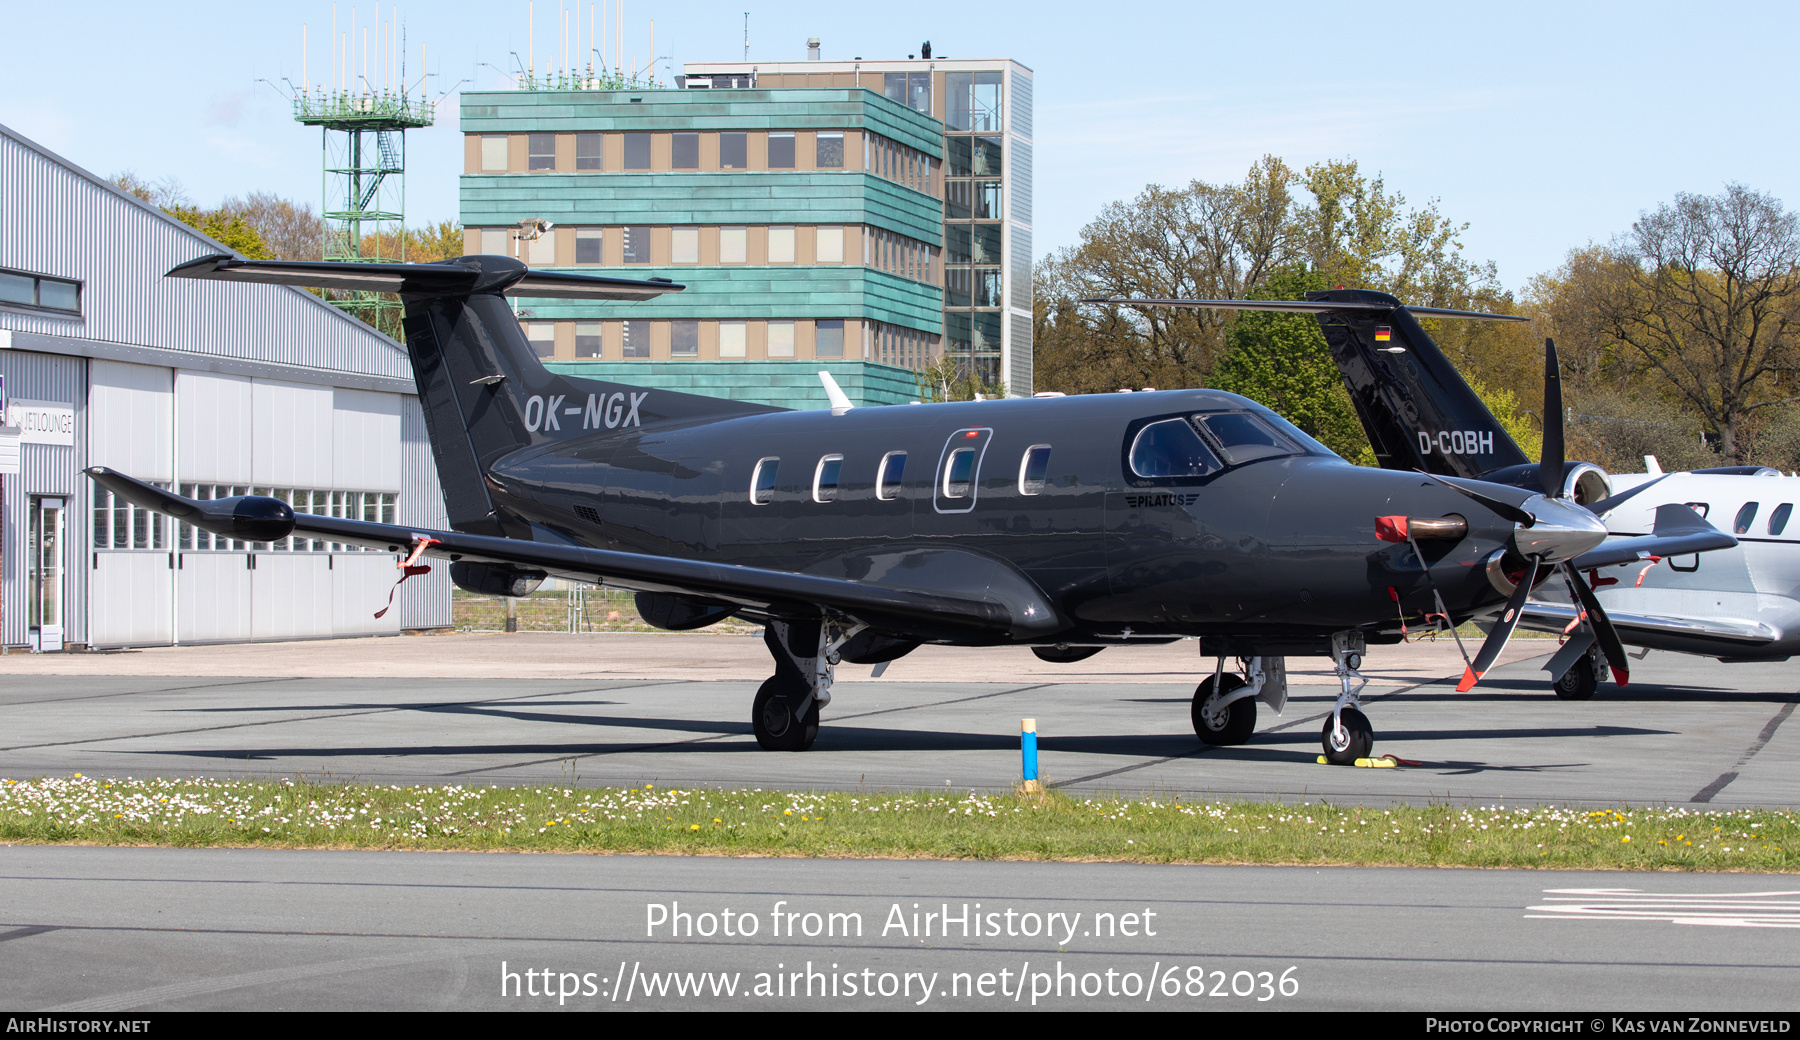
x=956 y=287
x=542 y=149
x=637 y=339
x=684 y=245
x=541 y=251
x=734 y=151
x=734 y=245
x=493 y=153
x=781 y=339
x=587 y=246
x=587 y=340
x=831 y=245
x=972 y=101
x=830 y=342
x=684 y=151
x=637 y=151
x=543 y=338
x=781 y=245
x=781 y=151
x=987 y=200
x=52 y=294
x=588 y=152
x=493 y=242
x=956 y=200
x=684 y=339
x=989 y=291
x=828 y=153
x=912 y=89
x=731 y=339
x=637 y=244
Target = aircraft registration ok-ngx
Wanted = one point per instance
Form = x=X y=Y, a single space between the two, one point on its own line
x=1068 y=524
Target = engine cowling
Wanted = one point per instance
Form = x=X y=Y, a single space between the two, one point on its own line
x=1584 y=482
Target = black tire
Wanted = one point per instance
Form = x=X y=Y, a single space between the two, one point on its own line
x=1579 y=682
x=1240 y=716
x=1361 y=738
x=772 y=718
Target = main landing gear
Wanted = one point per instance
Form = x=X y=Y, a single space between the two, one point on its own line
x=1347 y=735
x=785 y=714
x=1224 y=708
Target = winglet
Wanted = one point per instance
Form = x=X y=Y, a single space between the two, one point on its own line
x=840 y=401
x=1469 y=679
x=1652 y=467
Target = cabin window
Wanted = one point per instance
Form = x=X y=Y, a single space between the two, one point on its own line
x=762 y=482
x=825 y=478
x=959 y=475
x=887 y=481
x=1245 y=438
x=1033 y=469
x=1745 y=517
x=1171 y=448
x=1779 y=518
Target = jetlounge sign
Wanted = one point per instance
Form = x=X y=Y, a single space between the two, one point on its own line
x=42 y=422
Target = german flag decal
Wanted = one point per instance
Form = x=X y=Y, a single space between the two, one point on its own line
x=1383 y=333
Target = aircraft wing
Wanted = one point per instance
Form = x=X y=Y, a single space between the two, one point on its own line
x=1554 y=617
x=916 y=612
x=1678 y=531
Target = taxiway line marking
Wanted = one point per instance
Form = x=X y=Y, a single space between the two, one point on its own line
x=1706 y=794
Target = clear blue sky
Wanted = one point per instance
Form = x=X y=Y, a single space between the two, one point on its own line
x=1544 y=125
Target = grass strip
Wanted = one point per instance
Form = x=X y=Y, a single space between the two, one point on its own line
x=195 y=813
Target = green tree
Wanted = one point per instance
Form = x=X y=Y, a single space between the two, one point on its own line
x=226 y=227
x=1281 y=361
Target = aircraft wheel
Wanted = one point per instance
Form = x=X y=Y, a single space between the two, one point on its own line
x=1579 y=682
x=772 y=718
x=1234 y=724
x=1360 y=737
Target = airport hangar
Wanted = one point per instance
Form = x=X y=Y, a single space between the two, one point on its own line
x=218 y=389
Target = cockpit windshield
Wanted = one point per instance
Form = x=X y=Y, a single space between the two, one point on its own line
x=1244 y=437
x=1200 y=445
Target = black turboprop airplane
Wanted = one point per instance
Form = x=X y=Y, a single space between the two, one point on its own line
x=1068 y=524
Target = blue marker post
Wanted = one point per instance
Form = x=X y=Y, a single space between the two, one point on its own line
x=1028 y=754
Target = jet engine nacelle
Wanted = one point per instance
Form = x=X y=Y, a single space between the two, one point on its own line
x=1584 y=482
x=495 y=579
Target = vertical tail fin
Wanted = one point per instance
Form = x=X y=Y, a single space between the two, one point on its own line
x=484 y=392
x=1417 y=410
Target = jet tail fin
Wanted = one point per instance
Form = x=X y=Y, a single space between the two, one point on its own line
x=484 y=391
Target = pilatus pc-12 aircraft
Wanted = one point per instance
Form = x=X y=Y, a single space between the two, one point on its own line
x=1422 y=417
x=1067 y=524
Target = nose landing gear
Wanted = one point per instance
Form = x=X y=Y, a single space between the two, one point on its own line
x=1347 y=735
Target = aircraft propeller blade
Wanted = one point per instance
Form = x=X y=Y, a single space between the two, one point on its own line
x=1504 y=509
x=1550 y=463
x=1496 y=640
x=1610 y=644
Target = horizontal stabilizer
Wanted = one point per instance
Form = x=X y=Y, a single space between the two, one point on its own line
x=777 y=592
x=447 y=278
x=1678 y=531
x=1314 y=307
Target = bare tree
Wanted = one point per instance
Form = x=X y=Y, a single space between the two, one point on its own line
x=1708 y=298
x=291 y=232
x=164 y=194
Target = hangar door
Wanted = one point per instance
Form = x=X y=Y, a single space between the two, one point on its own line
x=131 y=580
